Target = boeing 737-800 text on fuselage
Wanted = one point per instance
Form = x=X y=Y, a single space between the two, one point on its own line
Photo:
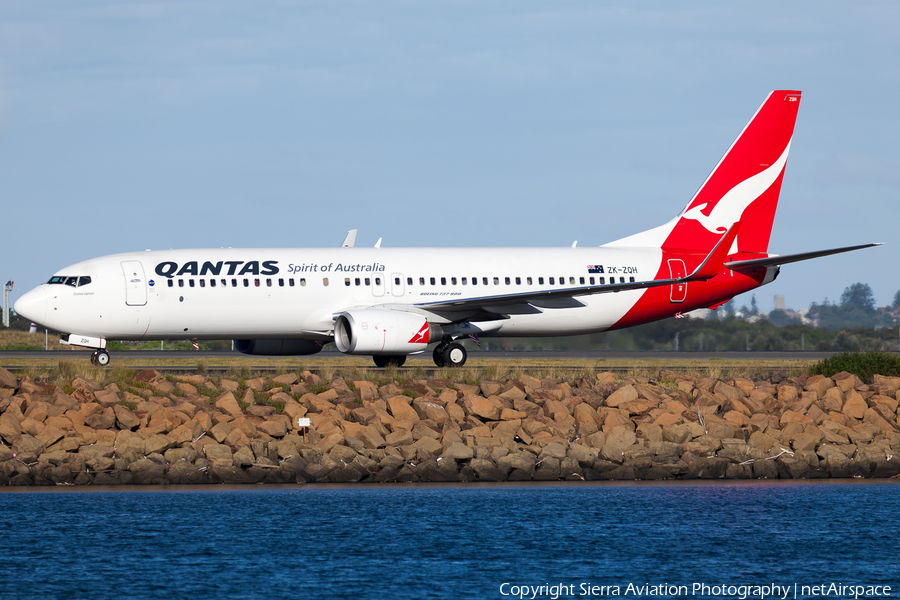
x=390 y=303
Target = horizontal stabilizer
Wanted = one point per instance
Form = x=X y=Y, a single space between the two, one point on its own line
x=774 y=261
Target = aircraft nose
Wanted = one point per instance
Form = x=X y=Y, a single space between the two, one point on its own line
x=33 y=305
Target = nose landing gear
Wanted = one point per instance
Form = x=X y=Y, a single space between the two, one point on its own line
x=100 y=357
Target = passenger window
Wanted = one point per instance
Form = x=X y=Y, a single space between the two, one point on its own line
x=550 y=281
x=432 y=281
x=396 y=281
x=357 y=281
x=496 y=281
x=409 y=281
x=280 y=282
x=325 y=281
x=347 y=282
x=246 y=283
x=581 y=280
x=591 y=281
x=528 y=281
x=181 y=283
x=453 y=281
x=302 y=281
x=368 y=281
x=291 y=282
x=212 y=283
x=378 y=281
x=518 y=281
x=443 y=281
x=256 y=282
x=621 y=280
x=224 y=283
x=474 y=281
x=540 y=281
x=602 y=280
x=631 y=279
x=484 y=280
x=171 y=283
x=202 y=283
x=506 y=280
x=268 y=282
x=421 y=281
x=234 y=283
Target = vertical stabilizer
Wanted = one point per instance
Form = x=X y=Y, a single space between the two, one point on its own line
x=743 y=187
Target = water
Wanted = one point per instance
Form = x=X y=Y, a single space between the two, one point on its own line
x=446 y=542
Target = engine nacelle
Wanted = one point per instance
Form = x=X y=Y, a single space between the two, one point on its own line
x=287 y=347
x=382 y=331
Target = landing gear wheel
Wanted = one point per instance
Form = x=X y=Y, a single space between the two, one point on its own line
x=94 y=355
x=384 y=361
x=102 y=358
x=438 y=355
x=454 y=355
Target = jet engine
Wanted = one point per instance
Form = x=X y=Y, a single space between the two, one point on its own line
x=380 y=331
x=287 y=347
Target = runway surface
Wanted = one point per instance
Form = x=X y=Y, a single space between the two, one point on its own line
x=191 y=356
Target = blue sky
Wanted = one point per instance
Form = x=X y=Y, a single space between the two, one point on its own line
x=284 y=124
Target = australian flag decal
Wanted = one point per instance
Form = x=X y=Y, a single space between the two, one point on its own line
x=595 y=268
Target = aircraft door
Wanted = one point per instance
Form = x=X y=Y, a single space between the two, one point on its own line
x=677 y=270
x=397 y=287
x=378 y=285
x=135 y=283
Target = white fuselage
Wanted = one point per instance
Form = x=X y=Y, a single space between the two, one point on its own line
x=284 y=293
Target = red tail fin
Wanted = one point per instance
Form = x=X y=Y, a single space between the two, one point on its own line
x=743 y=187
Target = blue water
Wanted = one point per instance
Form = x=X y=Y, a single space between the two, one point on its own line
x=445 y=542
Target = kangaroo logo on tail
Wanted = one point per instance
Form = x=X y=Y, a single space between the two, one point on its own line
x=728 y=210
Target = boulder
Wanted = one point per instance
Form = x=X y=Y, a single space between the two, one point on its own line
x=401 y=410
x=624 y=394
x=8 y=380
x=227 y=403
x=483 y=408
x=855 y=405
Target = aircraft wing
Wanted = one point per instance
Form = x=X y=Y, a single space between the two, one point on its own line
x=531 y=302
x=774 y=261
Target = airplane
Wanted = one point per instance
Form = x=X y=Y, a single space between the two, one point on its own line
x=393 y=302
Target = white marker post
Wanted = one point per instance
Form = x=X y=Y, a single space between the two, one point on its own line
x=303 y=423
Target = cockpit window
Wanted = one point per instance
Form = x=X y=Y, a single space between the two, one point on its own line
x=73 y=280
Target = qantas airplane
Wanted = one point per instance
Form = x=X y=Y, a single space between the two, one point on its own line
x=393 y=302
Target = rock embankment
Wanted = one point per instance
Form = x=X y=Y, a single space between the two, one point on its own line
x=193 y=429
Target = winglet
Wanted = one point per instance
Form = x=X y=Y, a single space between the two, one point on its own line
x=350 y=239
x=711 y=266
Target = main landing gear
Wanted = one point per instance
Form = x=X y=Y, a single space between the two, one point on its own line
x=100 y=357
x=449 y=355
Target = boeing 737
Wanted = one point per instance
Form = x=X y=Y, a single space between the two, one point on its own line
x=390 y=303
